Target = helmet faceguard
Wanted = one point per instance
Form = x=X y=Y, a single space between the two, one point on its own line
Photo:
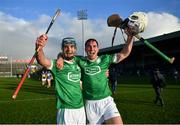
x=137 y=22
x=68 y=40
x=68 y=54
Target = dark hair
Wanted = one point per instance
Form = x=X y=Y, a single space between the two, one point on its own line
x=91 y=39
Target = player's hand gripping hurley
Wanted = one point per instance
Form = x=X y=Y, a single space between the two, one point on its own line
x=137 y=23
x=34 y=57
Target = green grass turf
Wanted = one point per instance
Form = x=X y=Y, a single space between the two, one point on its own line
x=35 y=104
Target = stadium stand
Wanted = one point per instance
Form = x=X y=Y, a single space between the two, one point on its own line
x=15 y=68
x=143 y=58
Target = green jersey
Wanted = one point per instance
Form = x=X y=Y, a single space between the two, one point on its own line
x=67 y=85
x=95 y=81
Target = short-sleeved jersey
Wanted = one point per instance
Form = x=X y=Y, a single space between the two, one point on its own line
x=95 y=82
x=67 y=85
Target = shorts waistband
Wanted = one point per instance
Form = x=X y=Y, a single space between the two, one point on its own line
x=106 y=98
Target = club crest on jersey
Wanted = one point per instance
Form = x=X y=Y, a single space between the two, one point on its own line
x=93 y=70
x=74 y=77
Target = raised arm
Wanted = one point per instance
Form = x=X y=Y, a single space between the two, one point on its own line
x=60 y=61
x=124 y=53
x=40 y=43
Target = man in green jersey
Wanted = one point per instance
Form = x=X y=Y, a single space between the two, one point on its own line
x=100 y=106
x=67 y=82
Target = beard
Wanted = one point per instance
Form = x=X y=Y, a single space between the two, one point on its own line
x=69 y=58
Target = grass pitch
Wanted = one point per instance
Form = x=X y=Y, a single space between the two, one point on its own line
x=35 y=104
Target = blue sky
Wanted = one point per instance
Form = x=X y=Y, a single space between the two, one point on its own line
x=23 y=20
x=31 y=9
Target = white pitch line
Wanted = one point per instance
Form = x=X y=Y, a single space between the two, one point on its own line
x=26 y=100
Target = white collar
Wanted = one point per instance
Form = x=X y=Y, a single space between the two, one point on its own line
x=70 y=62
x=93 y=59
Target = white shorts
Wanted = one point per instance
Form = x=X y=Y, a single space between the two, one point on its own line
x=71 y=116
x=48 y=80
x=98 y=111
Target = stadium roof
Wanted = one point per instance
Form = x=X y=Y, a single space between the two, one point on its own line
x=164 y=37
